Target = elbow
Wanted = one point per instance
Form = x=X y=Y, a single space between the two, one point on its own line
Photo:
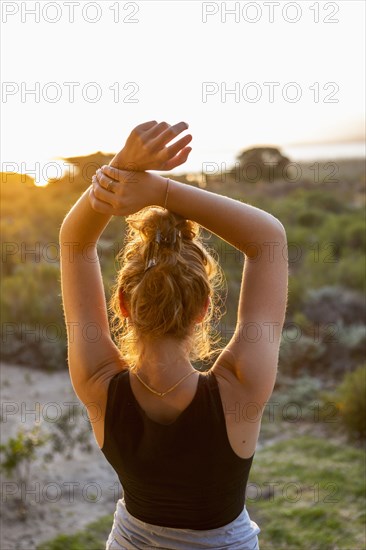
x=274 y=228
x=69 y=225
x=282 y=229
x=278 y=235
x=64 y=233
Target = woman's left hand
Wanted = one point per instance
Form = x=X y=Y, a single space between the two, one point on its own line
x=121 y=193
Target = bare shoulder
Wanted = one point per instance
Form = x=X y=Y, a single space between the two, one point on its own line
x=232 y=389
x=242 y=414
x=95 y=398
x=224 y=371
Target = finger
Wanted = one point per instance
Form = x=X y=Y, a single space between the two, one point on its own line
x=172 y=150
x=101 y=193
x=156 y=131
x=114 y=173
x=146 y=125
x=178 y=159
x=169 y=134
x=98 y=205
x=106 y=182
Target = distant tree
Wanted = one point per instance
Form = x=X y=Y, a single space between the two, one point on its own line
x=80 y=171
x=262 y=164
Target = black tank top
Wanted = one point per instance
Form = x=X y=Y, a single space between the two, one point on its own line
x=183 y=475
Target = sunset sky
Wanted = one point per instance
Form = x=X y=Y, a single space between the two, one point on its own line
x=172 y=52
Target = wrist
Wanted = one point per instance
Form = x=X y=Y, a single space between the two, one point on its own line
x=121 y=162
x=159 y=190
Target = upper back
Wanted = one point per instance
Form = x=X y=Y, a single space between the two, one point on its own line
x=188 y=462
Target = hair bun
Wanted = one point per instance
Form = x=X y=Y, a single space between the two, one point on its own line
x=154 y=222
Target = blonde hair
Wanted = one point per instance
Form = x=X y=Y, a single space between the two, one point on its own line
x=167 y=298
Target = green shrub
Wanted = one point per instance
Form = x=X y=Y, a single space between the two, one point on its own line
x=350 y=399
x=300 y=353
x=296 y=293
x=311 y=218
x=350 y=271
x=19 y=455
x=93 y=537
x=354 y=338
x=19 y=452
x=334 y=304
x=302 y=393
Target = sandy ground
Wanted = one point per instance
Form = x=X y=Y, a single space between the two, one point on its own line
x=63 y=495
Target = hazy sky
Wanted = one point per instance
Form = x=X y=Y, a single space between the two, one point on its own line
x=174 y=60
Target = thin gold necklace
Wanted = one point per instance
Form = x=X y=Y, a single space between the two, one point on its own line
x=161 y=394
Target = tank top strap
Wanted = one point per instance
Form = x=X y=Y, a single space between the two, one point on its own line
x=215 y=402
x=115 y=405
x=116 y=383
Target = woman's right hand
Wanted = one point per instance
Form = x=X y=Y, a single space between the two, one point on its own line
x=147 y=147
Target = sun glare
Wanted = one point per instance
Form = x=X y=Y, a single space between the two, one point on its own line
x=47 y=171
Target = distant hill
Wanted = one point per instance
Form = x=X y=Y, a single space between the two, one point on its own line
x=82 y=168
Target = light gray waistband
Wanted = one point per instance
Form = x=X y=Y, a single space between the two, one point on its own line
x=130 y=533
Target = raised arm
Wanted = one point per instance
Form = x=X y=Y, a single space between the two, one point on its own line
x=252 y=353
x=92 y=355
